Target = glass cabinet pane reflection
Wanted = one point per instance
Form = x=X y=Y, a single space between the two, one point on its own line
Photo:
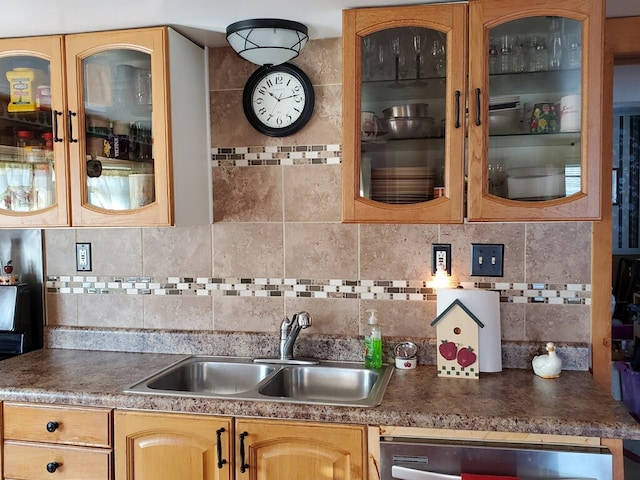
x=118 y=129
x=27 y=180
x=402 y=115
x=534 y=119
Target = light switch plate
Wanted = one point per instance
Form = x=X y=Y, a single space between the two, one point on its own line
x=487 y=259
x=83 y=257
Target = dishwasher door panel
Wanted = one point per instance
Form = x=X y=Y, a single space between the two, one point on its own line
x=407 y=458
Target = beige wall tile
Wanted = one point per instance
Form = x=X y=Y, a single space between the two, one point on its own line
x=559 y=253
x=322 y=61
x=331 y=316
x=178 y=312
x=396 y=252
x=558 y=323
x=325 y=125
x=59 y=251
x=177 y=252
x=227 y=70
x=512 y=235
x=512 y=321
x=401 y=318
x=61 y=310
x=320 y=251
x=312 y=193
x=248 y=250
x=247 y=194
x=248 y=314
x=116 y=251
x=110 y=311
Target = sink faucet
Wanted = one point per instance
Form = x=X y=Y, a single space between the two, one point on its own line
x=289 y=330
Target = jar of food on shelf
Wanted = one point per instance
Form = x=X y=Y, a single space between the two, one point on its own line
x=24 y=139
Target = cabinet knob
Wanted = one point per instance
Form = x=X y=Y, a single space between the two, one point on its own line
x=52 y=426
x=52 y=467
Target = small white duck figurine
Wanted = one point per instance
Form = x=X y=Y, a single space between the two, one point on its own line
x=548 y=365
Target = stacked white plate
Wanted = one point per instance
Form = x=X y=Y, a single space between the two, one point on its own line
x=402 y=185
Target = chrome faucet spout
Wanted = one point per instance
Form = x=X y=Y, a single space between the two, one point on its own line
x=289 y=330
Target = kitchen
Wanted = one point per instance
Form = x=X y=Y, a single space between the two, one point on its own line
x=290 y=199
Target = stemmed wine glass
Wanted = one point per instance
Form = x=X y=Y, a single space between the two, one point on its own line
x=419 y=41
x=395 y=46
x=438 y=55
x=369 y=45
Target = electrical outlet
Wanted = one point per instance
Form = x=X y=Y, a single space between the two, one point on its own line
x=487 y=259
x=83 y=257
x=441 y=255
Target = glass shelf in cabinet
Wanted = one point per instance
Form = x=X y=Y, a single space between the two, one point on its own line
x=410 y=89
x=535 y=140
x=551 y=81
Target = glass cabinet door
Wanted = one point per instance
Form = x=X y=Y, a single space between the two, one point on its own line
x=534 y=113
x=118 y=129
x=27 y=178
x=408 y=116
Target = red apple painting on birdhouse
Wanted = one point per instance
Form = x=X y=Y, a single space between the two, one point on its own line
x=458 y=333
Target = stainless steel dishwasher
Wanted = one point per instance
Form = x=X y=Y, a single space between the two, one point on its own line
x=404 y=458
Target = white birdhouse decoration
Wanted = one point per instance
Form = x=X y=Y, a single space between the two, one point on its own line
x=457 y=331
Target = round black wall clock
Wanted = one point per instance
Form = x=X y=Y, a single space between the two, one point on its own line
x=278 y=100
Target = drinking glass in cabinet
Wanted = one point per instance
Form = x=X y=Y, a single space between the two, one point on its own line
x=534 y=108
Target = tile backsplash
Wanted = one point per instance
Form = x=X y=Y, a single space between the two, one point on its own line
x=277 y=245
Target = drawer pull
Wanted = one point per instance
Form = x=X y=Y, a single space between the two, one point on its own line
x=52 y=467
x=52 y=426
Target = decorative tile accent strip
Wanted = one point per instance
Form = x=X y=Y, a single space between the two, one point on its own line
x=412 y=290
x=260 y=156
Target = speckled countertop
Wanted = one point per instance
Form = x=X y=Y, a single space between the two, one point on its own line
x=514 y=400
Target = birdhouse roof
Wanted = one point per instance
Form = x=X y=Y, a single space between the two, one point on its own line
x=459 y=304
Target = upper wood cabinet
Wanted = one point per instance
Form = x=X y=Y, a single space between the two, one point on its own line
x=104 y=129
x=514 y=137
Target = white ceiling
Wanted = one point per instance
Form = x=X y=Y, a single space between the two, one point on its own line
x=205 y=21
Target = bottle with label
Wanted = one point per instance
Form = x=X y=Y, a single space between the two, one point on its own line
x=373 y=342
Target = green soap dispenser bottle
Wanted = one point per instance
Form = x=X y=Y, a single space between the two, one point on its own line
x=373 y=342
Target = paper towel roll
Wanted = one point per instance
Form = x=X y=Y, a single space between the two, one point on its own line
x=485 y=305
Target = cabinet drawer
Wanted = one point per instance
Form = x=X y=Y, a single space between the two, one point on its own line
x=69 y=425
x=27 y=461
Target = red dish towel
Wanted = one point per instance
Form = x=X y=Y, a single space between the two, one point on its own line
x=475 y=476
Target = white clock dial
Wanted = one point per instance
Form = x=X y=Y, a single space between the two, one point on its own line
x=278 y=99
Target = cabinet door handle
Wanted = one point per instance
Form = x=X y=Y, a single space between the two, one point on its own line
x=56 y=114
x=70 y=115
x=52 y=467
x=243 y=464
x=221 y=461
x=478 y=107
x=52 y=426
x=457 y=109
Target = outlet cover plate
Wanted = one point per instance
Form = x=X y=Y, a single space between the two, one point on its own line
x=83 y=257
x=441 y=253
x=487 y=259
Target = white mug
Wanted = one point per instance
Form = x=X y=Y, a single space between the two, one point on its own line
x=141 y=189
x=368 y=124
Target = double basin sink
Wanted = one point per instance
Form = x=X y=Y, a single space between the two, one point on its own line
x=239 y=378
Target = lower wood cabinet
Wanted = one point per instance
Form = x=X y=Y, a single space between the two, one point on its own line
x=276 y=449
x=168 y=446
x=171 y=446
x=70 y=442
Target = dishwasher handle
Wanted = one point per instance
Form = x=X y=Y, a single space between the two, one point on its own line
x=404 y=473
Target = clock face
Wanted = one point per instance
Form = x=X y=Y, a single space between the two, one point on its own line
x=278 y=100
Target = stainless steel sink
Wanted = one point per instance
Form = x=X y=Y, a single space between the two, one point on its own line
x=326 y=383
x=322 y=384
x=216 y=377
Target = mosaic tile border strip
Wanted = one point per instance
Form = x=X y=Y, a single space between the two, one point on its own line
x=273 y=155
x=413 y=290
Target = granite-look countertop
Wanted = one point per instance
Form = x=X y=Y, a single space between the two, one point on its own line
x=514 y=400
